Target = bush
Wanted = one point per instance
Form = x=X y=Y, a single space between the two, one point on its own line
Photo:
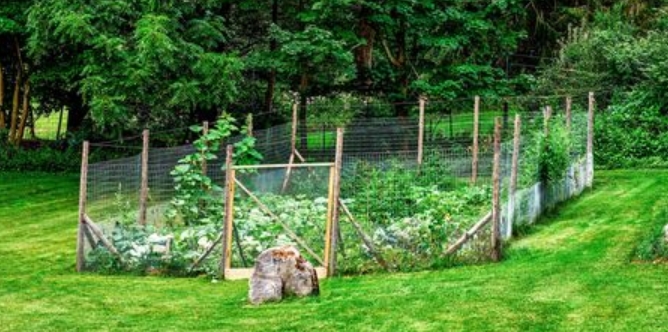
x=44 y=159
x=653 y=246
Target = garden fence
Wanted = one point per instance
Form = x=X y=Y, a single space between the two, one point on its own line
x=414 y=192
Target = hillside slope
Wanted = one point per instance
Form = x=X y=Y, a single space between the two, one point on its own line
x=571 y=273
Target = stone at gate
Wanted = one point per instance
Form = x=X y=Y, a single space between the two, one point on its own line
x=279 y=272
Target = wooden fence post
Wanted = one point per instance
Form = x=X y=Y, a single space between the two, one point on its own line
x=293 y=147
x=143 y=193
x=569 y=109
x=476 y=128
x=590 y=141
x=496 y=194
x=228 y=221
x=513 y=176
x=205 y=130
x=420 y=152
x=249 y=124
x=336 y=193
x=83 y=189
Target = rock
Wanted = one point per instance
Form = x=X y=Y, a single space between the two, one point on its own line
x=279 y=272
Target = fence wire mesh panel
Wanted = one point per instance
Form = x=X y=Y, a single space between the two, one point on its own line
x=280 y=206
x=416 y=191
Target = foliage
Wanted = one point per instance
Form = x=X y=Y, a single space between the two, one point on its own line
x=136 y=61
x=632 y=134
x=628 y=64
x=654 y=245
x=144 y=251
x=44 y=159
x=548 y=156
x=197 y=199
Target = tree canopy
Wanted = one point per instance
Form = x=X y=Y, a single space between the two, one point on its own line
x=122 y=65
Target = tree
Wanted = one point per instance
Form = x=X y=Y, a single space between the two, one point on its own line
x=15 y=71
x=136 y=63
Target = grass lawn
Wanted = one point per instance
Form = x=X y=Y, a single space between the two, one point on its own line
x=571 y=273
x=46 y=126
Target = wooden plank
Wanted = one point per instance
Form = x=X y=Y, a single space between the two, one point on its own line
x=338 y=161
x=143 y=193
x=590 y=140
x=227 y=228
x=469 y=234
x=476 y=133
x=83 y=189
x=421 y=133
x=205 y=131
x=207 y=252
x=291 y=234
x=288 y=171
x=244 y=274
x=513 y=175
x=299 y=156
x=569 y=110
x=90 y=238
x=268 y=166
x=100 y=235
x=365 y=238
x=496 y=193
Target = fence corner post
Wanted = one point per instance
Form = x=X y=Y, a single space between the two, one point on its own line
x=226 y=259
x=336 y=193
x=590 y=140
x=83 y=189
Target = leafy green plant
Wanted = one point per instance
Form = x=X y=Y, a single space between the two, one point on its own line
x=197 y=200
x=548 y=156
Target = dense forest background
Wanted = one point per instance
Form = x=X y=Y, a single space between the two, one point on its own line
x=117 y=66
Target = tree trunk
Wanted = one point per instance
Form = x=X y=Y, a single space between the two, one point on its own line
x=15 y=107
x=3 y=123
x=77 y=113
x=271 y=80
x=364 y=53
x=25 y=113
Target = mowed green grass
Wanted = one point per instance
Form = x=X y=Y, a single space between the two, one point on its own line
x=572 y=273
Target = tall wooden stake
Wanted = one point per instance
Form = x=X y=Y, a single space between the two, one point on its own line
x=83 y=189
x=205 y=130
x=476 y=127
x=293 y=148
x=513 y=176
x=590 y=141
x=336 y=193
x=249 y=125
x=421 y=133
x=569 y=109
x=225 y=260
x=143 y=194
x=496 y=194
x=330 y=207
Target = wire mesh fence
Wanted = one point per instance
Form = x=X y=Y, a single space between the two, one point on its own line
x=412 y=189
